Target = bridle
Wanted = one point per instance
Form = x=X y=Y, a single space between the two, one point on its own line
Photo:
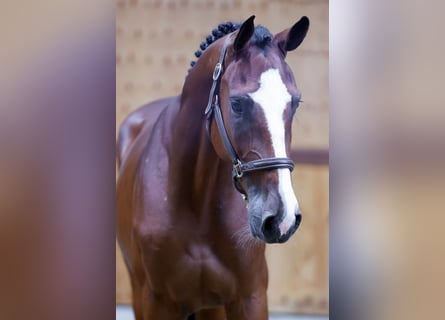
x=238 y=167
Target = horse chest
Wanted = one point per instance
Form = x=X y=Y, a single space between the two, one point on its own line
x=195 y=276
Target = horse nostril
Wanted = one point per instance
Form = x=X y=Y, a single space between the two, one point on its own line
x=298 y=218
x=267 y=226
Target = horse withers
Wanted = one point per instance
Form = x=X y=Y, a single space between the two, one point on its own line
x=205 y=180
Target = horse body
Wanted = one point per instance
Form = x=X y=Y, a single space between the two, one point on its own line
x=209 y=268
x=182 y=226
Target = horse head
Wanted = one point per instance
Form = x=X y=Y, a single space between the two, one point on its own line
x=258 y=97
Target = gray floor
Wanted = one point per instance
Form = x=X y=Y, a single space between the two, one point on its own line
x=126 y=313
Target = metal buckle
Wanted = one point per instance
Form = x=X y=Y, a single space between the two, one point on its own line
x=217 y=71
x=237 y=169
x=215 y=102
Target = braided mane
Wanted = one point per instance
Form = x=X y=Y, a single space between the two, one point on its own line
x=261 y=37
x=217 y=33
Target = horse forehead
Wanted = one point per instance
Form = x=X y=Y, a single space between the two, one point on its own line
x=271 y=91
x=245 y=75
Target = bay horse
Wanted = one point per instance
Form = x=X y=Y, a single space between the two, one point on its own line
x=195 y=248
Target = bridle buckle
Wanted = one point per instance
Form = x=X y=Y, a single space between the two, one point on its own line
x=237 y=169
x=217 y=71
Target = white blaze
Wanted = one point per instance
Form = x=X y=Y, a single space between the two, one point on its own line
x=273 y=97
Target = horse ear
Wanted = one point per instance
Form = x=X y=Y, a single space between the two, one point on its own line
x=244 y=34
x=290 y=39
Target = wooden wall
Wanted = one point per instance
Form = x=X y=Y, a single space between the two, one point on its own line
x=155 y=42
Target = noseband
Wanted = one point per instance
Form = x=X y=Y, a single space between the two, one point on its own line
x=238 y=168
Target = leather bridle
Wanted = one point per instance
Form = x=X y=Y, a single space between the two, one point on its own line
x=238 y=167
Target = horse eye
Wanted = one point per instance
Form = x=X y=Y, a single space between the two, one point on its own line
x=237 y=105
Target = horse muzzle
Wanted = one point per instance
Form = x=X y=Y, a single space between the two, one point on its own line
x=275 y=228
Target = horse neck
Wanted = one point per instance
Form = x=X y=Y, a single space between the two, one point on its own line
x=196 y=167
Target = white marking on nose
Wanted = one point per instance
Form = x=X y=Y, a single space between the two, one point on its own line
x=272 y=96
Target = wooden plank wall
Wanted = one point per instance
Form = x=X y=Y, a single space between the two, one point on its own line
x=155 y=42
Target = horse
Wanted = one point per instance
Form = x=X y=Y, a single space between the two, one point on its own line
x=204 y=179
